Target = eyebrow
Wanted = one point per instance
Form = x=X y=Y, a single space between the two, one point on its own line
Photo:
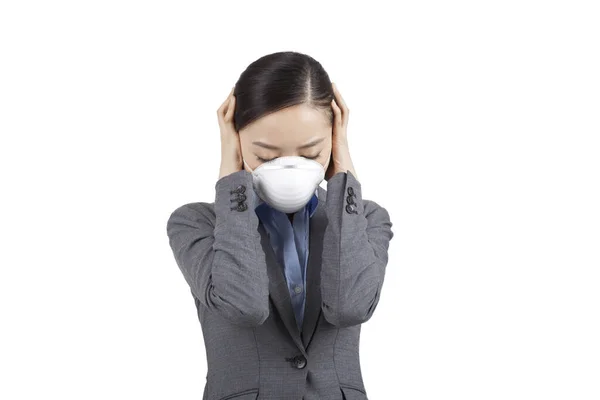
x=304 y=146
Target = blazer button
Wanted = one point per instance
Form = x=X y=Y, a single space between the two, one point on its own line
x=239 y=189
x=299 y=362
x=350 y=190
x=350 y=209
x=240 y=207
x=350 y=200
x=239 y=198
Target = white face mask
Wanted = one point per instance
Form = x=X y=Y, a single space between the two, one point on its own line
x=287 y=183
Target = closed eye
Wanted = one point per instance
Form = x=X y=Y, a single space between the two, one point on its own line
x=271 y=159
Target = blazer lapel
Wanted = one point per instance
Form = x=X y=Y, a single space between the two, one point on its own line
x=312 y=309
x=278 y=288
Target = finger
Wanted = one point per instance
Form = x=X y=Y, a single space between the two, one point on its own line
x=341 y=103
x=337 y=112
x=230 y=109
x=223 y=106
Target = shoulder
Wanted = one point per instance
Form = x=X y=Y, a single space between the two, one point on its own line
x=196 y=212
x=375 y=212
x=372 y=205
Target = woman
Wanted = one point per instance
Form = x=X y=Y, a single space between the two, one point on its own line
x=282 y=271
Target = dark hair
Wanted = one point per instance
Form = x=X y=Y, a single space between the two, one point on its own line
x=281 y=80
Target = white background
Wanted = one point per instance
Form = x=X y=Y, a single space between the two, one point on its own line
x=476 y=124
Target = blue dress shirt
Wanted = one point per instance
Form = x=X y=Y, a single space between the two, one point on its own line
x=290 y=245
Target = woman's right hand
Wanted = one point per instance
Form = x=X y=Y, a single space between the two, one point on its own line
x=231 y=153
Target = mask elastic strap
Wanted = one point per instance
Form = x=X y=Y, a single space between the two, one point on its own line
x=248 y=166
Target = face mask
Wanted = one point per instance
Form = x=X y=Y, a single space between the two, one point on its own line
x=287 y=183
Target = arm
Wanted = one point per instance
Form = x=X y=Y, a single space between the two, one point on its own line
x=355 y=253
x=220 y=256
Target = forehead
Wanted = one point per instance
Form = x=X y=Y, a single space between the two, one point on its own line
x=289 y=127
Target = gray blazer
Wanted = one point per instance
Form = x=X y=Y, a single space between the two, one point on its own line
x=253 y=345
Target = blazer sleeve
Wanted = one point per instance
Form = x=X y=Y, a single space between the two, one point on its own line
x=220 y=254
x=355 y=252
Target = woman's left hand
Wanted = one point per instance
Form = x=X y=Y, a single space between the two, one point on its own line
x=340 y=153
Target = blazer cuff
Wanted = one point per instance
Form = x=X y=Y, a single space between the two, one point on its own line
x=235 y=199
x=343 y=188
